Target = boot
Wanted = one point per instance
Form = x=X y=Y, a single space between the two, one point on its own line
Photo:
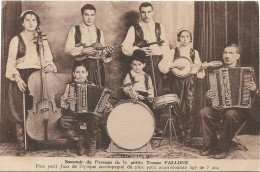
x=80 y=147
x=92 y=147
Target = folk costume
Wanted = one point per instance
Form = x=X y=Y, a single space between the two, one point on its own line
x=183 y=87
x=149 y=32
x=226 y=121
x=80 y=127
x=81 y=36
x=23 y=60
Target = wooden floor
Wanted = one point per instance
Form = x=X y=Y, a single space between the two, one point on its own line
x=164 y=151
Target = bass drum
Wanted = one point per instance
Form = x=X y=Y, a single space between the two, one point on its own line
x=131 y=125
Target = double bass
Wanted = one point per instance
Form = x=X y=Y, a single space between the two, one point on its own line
x=42 y=118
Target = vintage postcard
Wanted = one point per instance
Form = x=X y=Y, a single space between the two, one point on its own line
x=129 y=86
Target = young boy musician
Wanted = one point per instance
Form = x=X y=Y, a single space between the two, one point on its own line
x=138 y=84
x=71 y=122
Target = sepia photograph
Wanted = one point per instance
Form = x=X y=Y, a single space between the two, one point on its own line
x=129 y=86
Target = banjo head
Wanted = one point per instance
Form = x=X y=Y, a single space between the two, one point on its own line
x=182 y=61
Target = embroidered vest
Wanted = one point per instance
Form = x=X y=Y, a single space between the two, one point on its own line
x=21 y=47
x=139 y=34
x=192 y=54
x=77 y=35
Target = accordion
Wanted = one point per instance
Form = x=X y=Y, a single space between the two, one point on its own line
x=228 y=84
x=88 y=98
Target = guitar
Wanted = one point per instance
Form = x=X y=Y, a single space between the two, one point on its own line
x=98 y=47
x=188 y=65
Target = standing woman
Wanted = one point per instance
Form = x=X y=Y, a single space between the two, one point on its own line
x=23 y=59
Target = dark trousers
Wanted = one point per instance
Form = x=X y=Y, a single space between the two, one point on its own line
x=184 y=88
x=210 y=122
x=71 y=123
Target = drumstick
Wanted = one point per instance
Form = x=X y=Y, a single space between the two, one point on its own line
x=129 y=84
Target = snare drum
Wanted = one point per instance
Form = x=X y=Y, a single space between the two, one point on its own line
x=161 y=101
x=131 y=125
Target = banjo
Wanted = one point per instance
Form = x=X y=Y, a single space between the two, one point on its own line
x=184 y=66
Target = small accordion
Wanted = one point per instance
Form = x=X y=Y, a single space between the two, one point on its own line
x=88 y=98
x=228 y=84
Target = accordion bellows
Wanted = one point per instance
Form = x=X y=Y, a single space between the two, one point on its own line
x=229 y=83
x=88 y=98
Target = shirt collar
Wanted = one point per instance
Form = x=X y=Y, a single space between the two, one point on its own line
x=150 y=24
x=237 y=65
x=87 y=27
x=185 y=48
x=136 y=74
x=77 y=81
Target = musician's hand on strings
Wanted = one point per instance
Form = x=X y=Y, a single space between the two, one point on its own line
x=173 y=65
x=180 y=67
x=250 y=85
x=211 y=94
x=109 y=49
x=89 y=51
x=20 y=83
x=147 y=50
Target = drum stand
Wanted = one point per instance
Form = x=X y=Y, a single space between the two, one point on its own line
x=171 y=126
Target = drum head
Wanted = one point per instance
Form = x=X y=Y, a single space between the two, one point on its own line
x=131 y=125
x=161 y=102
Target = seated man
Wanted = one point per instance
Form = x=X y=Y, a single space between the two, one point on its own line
x=231 y=118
